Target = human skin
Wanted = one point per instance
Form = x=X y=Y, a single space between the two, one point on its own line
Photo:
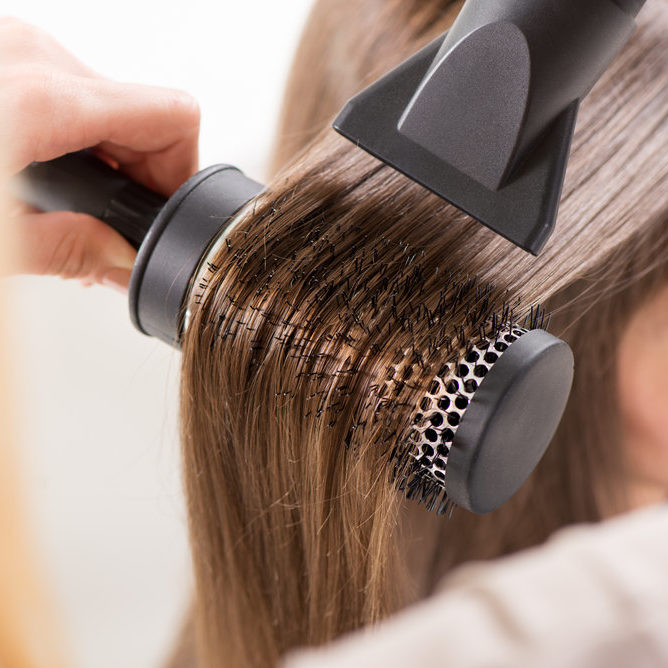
x=642 y=382
x=53 y=104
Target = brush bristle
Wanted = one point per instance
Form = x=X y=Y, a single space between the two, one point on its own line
x=332 y=306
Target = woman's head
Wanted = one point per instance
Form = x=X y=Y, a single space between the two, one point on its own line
x=338 y=298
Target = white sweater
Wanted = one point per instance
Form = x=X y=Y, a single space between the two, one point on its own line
x=593 y=596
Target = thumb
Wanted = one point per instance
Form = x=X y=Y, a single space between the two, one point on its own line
x=72 y=245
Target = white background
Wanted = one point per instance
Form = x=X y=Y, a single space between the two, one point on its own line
x=98 y=399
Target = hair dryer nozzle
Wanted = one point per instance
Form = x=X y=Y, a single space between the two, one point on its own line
x=484 y=115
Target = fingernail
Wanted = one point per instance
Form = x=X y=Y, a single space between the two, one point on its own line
x=118 y=279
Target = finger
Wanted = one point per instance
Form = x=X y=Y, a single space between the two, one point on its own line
x=72 y=245
x=162 y=154
x=163 y=171
x=61 y=113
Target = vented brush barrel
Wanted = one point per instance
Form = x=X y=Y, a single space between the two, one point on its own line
x=486 y=420
x=171 y=235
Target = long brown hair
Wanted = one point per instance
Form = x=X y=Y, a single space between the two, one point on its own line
x=334 y=302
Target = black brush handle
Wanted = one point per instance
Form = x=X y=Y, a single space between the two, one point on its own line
x=83 y=183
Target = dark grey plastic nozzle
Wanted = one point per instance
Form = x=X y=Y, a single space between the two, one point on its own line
x=509 y=422
x=484 y=115
x=172 y=235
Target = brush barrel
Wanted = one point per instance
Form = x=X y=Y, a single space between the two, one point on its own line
x=83 y=183
x=509 y=422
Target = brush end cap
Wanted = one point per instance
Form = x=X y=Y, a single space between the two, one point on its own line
x=176 y=242
x=510 y=422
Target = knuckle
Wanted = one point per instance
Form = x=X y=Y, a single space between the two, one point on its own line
x=185 y=106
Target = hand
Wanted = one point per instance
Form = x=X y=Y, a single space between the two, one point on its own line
x=52 y=104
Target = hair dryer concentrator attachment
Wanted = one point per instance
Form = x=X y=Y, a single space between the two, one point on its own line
x=484 y=115
x=171 y=235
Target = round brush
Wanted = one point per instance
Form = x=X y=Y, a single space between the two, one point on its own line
x=483 y=423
